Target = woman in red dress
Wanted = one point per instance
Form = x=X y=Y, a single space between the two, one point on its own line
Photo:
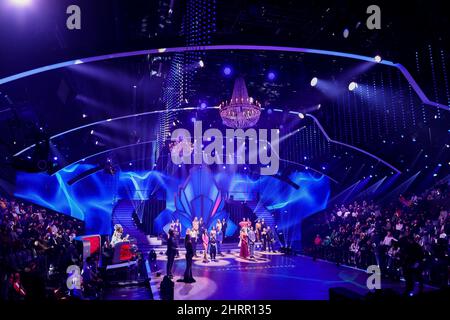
x=244 y=245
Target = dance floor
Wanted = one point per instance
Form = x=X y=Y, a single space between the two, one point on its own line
x=271 y=276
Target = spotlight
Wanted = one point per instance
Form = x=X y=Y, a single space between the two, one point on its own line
x=227 y=71
x=271 y=75
x=345 y=33
x=301 y=115
x=352 y=86
x=20 y=3
x=84 y=115
x=203 y=105
x=55 y=158
x=314 y=81
x=377 y=59
x=318 y=106
x=201 y=64
x=130 y=164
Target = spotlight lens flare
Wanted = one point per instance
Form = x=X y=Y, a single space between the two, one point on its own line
x=201 y=64
x=314 y=81
x=352 y=86
x=377 y=59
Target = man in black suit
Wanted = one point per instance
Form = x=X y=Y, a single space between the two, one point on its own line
x=270 y=239
x=171 y=252
x=224 y=229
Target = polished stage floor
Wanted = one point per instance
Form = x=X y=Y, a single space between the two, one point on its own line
x=271 y=276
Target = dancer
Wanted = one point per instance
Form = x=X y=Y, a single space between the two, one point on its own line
x=177 y=233
x=251 y=242
x=258 y=230
x=196 y=235
x=177 y=230
x=224 y=228
x=270 y=239
x=205 y=240
x=264 y=238
x=263 y=224
x=213 y=245
x=188 y=278
x=243 y=223
x=117 y=235
x=219 y=237
x=244 y=244
x=193 y=234
x=171 y=253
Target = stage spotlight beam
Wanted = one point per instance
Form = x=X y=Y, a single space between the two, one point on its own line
x=314 y=82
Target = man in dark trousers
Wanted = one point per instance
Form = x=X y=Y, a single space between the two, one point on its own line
x=270 y=239
x=171 y=252
x=412 y=256
x=224 y=229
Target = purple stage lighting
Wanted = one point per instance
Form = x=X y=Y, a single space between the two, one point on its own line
x=55 y=158
x=203 y=105
x=271 y=75
x=227 y=71
x=314 y=82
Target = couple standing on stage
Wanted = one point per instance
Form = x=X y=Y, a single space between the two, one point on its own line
x=172 y=251
x=248 y=237
x=211 y=242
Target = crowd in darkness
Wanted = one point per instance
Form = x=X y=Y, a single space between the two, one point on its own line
x=408 y=237
x=36 y=247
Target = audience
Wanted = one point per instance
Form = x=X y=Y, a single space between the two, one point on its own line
x=365 y=233
x=36 y=247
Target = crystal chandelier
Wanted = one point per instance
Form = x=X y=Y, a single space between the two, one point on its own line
x=241 y=111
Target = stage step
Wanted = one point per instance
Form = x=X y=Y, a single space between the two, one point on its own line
x=262 y=213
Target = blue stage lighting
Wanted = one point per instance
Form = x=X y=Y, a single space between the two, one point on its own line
x=227 y=71
x=314 y=82
x=271 y=75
